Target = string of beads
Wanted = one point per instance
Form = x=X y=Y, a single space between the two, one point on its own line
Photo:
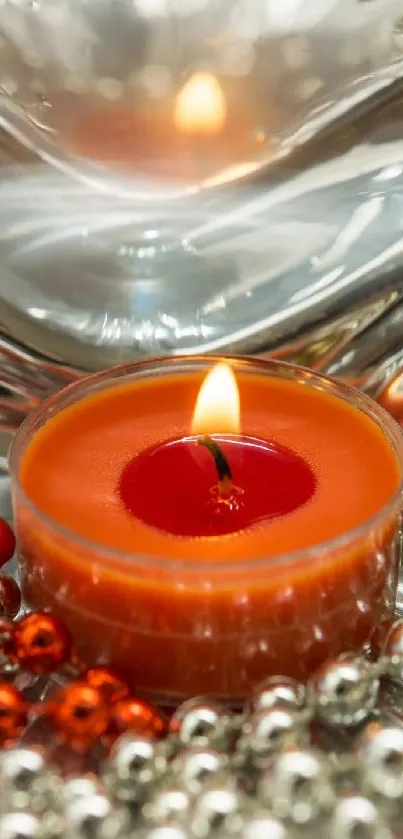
x=83 y=758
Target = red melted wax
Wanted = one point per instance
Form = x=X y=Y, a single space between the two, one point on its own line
x=173 y=486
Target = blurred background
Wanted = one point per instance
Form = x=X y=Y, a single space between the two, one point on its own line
x=186 y=176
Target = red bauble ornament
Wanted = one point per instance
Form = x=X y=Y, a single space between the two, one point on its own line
x=10 y=597
x=138 y=716
x=111 y=685
x=7 y=542
x=78 y=714
x=13 y=714
x=41 y=643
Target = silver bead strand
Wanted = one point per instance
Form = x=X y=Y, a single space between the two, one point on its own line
x=20 y=826
x=261 y=824
x=200 y=721
x=79 y=786
x=195 y=766
x=218 y=810
x=168 y=804
x=27 y=781
x=202 y=782
x=135 y=764
x=355 y=816
x=380 y=753
x=95 y=817
x=168 y=831
x=298 y=786
x=344 y=691
x=278 y=692
x=266 y=732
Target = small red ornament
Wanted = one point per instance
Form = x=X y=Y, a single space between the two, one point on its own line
x=41 y=643
x=13 y=713
x=7 y=542
x=108 y=681
x=78 y=714
x=10 y=597
x=138 y=716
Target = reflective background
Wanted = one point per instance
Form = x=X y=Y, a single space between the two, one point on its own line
x=207 y=175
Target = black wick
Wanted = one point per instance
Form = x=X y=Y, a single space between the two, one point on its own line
x=221 y=464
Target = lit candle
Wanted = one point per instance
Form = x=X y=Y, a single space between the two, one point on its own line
x=200 y=107
x=202 y=527
x=207 y=485
x=196 y=134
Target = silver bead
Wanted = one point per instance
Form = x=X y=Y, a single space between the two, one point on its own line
x=344 y=691
x=267 y=731
x=79 y=786
x=260 y=824
x=393 y=650
x=357 y=816
x=298 y=786
x=380 y=751
x=170 y=803
x=195 y=765
x=20 y=826
x=134 y=764
x=26 y=781
x=168 y=831
x=200 y=721
x=217 y=810
x=94 y=817
x=20 y=768
x=278 y=692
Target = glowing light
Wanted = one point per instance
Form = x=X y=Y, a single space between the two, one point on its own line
x=217 y=408
x=200 y=106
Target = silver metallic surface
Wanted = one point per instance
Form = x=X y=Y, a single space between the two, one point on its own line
x=95 y=817
x=134 y=766
x=261 y=824
x=166 y=832
x=357 y=816
x=285 y=238
x=20 y=826
x=201 y=721
x=79 y=786
x=170 y=803
x=26 y=779
x=278 y=692
x=380 y=751
x=217 y=810
x=195 y=765
x=298 y=786
x=344 y=691
x=268 y=730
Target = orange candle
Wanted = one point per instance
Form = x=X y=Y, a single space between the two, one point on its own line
x=184 y=614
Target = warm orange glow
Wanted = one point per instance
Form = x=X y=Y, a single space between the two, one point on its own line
x=200 y=107
x=217 y=408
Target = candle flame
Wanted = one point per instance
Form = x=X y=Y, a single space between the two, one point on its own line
x=200 y=107
x=217 y=408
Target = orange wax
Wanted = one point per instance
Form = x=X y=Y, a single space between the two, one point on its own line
x=212 y=614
